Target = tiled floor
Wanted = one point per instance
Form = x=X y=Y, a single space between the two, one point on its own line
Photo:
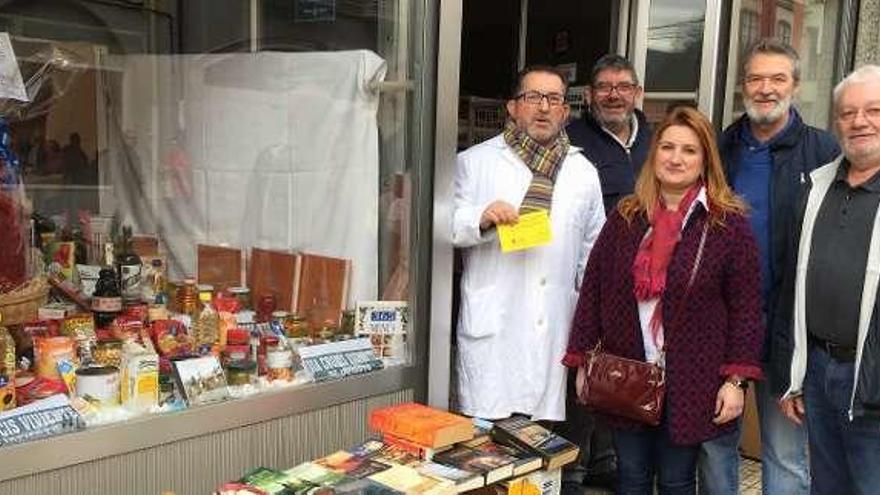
x=749 y=480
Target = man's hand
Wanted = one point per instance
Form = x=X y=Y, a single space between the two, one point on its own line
x=793 y=408
x=498 y=212
x=728 y=403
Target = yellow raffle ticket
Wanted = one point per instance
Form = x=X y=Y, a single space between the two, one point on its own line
x=532 y=230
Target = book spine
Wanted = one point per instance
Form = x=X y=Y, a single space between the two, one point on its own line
x=416 y=449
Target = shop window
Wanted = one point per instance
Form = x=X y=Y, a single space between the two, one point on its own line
x=675 y=44
x=276 y=153
x=812 y=30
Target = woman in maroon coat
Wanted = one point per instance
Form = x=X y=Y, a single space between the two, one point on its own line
x=647 y=295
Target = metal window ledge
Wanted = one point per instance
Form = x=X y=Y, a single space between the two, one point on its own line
x=153 y=430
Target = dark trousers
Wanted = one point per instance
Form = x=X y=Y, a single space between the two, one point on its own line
x=642 y=455
x=844 y=454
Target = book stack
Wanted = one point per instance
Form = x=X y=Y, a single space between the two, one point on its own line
x=422 y=450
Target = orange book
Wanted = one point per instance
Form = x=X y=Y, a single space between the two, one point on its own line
x=422 y=425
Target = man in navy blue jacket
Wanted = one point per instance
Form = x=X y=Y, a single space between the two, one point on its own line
x=615 y=137
x=768 y=154
x=613 y=133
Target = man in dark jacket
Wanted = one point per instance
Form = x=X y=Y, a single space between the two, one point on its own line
x=613 y=133
x=827 y=339
x=767 y=155
x=615 y=137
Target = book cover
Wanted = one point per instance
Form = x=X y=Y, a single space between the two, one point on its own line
x=492 y=466
x=386 y=324
x=320 y=288
x=201 y=380
x=299 y=478
x=463 y=480
x=521 y=432
x=351 y=465
x=339 y=359
x=523 y=462
x=363 y=487
x=219 y=266
x=537 y=483
x=422 y=424
x=406 y=479
x=272 y=273
x=268 y=480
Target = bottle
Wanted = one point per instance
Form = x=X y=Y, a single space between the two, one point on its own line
x=206 y=329
x=129 y=266
x=188 y=299
x=106 y=300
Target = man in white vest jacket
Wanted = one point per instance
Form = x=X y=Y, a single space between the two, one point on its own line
x=834 y=365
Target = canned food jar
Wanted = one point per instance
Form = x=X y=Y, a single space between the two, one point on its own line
x=100 y=383
x=278 y=364
x=240 y=372
x=243 y=295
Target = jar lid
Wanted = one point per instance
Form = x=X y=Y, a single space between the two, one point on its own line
x=205 y=288
x=239 y=290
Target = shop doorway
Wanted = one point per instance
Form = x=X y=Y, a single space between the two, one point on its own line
x=500 y=37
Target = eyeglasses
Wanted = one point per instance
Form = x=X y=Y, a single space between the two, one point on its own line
x=775 y=80
x=535 y=98
x=849 y=115
x=623 y=89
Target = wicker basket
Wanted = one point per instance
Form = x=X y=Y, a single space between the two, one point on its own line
x=21 y=305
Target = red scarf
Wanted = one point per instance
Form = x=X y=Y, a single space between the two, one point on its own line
x=655 y=253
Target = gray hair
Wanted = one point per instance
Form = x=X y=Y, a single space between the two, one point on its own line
x=615 y=62
x=771 y=46
x=863 y=74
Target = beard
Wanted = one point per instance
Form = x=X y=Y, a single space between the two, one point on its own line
x=610 y=121
x=771 y=116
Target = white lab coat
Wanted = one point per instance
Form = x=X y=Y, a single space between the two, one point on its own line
x=516 y=308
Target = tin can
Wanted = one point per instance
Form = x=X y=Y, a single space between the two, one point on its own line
x=100 y=383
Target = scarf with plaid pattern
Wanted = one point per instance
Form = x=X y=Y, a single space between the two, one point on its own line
x=543 y=161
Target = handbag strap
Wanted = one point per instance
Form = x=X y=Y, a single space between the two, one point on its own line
x=698 y=259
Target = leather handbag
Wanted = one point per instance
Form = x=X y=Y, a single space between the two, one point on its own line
x=625 y=387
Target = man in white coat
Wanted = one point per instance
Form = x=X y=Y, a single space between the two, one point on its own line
x=516 y=307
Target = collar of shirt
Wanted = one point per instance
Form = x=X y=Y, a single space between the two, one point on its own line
x=870 y=185
x=701 y=199
x=633 y=131
x=753 y=143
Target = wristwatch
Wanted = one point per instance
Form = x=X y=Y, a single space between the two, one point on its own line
x=737 y=382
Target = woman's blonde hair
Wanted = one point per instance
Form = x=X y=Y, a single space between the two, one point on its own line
x=721 y=198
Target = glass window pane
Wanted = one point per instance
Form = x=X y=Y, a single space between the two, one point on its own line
x=675 y=44
x=811 y=27
x=300 y=139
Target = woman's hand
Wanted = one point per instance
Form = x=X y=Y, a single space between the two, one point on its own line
x=728 y=403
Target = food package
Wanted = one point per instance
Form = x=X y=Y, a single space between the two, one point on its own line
x=7 y=370
x=61 y=257
x=81 y=327
x=139 y=378
x=171 y=339
x=49 y=351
